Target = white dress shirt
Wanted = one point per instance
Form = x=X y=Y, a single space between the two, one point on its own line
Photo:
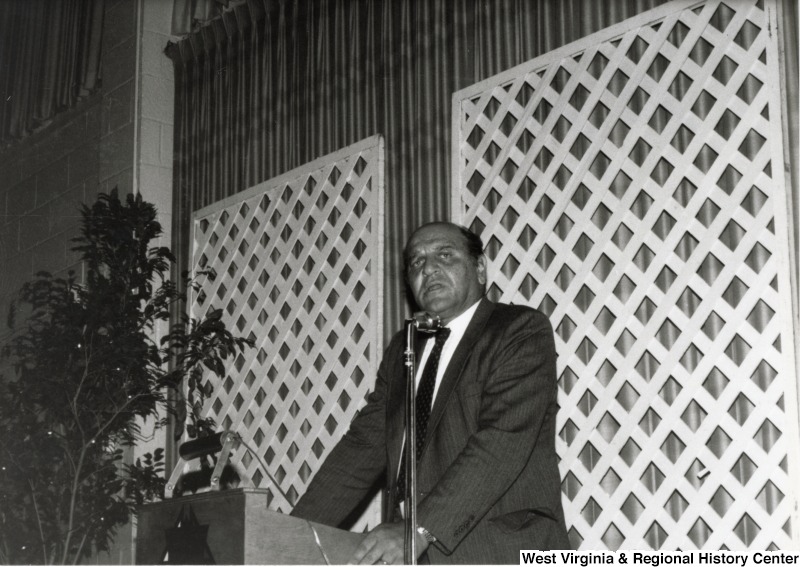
x=458 y=327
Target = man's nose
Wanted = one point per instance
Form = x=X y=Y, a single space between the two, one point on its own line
x=431 y=265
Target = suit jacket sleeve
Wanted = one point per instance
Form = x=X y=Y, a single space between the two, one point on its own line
x=355 y=463
x=517 y=393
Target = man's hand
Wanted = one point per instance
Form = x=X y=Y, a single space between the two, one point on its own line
x=384 y=546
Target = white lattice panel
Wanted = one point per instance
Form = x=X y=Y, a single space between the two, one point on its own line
x=299 y=270
x=631 y=186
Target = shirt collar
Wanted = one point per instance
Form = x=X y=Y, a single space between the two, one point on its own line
x=459 y=325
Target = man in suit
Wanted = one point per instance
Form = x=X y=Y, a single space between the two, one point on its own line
x=487 y=482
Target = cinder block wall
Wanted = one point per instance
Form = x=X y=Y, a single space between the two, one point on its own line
x=44 y=177
x=120 y=136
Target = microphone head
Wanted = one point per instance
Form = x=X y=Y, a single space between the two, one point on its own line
x=426 y=322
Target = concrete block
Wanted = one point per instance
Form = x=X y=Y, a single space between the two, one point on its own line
x=150 y=142
x=10 y=170
x=76 y=270
x=9 y=238
x=52 y=181
x=31 y=162
x=118 y=108
x=21 y=198
x=65 y=213
x=116 y=152
x=20 y=270
x=123 y=182
x=119 y=25
x=50 y=255
x=91 y=188
x=157 y=16
x=155 y=185
x=124 y=67
x=84 y=162
x=73 y=260
x=94 y=117
x=34 y=227
x=6 y=368
x=62 y=141
x=11 y=153
x=154 y=61
x=167 y=145
x=158 y=99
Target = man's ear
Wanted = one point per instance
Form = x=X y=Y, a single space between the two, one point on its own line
x=482 y=269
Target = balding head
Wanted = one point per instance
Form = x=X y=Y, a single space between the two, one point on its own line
x=445 y=269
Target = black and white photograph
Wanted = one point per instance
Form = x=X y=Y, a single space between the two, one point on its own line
x=399 y=282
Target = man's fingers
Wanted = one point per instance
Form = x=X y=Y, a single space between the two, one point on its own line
x=363 y=550
x=371 y=557
x=378 y=552
x=394 y=558
x=383 y=545
x=370 y=551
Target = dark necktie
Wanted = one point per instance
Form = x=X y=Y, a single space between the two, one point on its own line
x=423 y=402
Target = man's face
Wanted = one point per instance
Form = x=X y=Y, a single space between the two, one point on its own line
x=444 y=278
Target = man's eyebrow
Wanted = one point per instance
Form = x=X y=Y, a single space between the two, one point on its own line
x=445 y=246
x=414 y=251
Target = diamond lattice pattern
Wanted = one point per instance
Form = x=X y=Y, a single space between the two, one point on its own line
x=298 y=270
x=628 y=189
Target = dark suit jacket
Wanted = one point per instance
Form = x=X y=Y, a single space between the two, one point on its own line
x=488 y=476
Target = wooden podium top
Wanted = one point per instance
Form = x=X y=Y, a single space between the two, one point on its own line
x=235 y=527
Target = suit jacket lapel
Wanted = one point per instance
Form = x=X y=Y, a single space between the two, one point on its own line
x=454 y=369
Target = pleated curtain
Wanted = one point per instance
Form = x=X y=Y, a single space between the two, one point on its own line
x=50 y=58
x=273 y=84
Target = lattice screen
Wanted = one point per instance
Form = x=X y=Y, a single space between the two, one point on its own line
x=299 y=270
x=631 y=186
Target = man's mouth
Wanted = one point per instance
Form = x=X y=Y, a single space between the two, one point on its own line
x=435 y=286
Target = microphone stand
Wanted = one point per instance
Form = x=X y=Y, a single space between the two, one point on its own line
x=426 y=323
x=410 y=549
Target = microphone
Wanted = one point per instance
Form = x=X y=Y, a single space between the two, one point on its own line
x=425 y=322
x=202 y=446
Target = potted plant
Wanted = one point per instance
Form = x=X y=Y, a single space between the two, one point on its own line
x=84 y=371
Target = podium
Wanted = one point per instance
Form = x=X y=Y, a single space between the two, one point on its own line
x=235 y=527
